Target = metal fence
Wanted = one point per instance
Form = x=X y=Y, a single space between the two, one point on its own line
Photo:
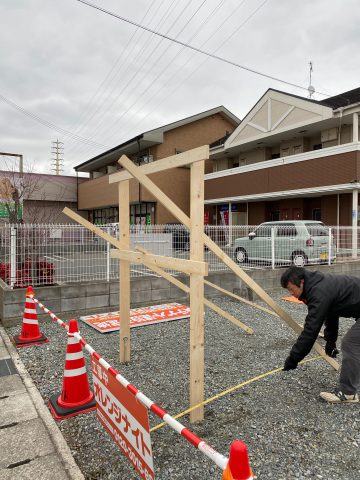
x=59 y=254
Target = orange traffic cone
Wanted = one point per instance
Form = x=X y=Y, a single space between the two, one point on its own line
x=30 y=332
x=76 y=396
x=238 y=467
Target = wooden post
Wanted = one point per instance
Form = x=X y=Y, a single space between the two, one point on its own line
x=124 y=272
x=197 y=291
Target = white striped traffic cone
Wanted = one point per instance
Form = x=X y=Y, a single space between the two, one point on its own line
x=76 y=396
x=30 y=332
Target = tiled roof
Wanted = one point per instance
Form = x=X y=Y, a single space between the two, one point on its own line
x=343 y=99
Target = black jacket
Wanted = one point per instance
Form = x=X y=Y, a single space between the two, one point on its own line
x=327 y=297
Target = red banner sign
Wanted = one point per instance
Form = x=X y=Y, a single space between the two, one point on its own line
x=110 y=322
x=125 y=419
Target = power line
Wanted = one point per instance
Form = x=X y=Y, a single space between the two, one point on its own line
x=199 y=28
x=138 y=83
x=175 y=57
x=99 y=119
x=109 y=78
x=49 y=124
x=176 y=87
x=216 y=57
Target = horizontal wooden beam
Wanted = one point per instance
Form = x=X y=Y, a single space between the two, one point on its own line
x=179 y=264
x=179 y=160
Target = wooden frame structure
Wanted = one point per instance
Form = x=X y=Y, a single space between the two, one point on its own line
x=195 y=267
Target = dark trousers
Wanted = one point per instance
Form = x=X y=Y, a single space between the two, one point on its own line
x=349 y=382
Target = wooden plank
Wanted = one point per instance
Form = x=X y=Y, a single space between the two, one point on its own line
x=197 y=371
x=179 y=264
x=124 y=273
x=183 y=218
x=179 y=160
x=207 y=302
x=85 y=223
x=158 y=270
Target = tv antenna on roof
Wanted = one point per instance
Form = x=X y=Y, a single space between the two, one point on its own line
x=311 y=89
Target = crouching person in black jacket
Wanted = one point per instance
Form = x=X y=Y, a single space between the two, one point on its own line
x=328 y=297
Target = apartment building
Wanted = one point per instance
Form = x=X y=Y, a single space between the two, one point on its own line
x=290 y=158
x=100 y=199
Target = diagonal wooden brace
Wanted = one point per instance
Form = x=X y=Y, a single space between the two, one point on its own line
x=137 y=173
x=186 y=289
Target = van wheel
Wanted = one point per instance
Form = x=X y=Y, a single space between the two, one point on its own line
x=299 y=259
x=241 y=255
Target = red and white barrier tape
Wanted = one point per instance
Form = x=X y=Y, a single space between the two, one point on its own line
x=220 y=460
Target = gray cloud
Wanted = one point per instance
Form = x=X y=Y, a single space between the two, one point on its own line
x=55 y=55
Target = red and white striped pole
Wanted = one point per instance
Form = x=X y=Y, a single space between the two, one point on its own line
x=220 y=460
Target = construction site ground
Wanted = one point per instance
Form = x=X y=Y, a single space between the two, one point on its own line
x=290 y=432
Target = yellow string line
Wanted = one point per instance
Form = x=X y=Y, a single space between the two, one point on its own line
x=225 y=392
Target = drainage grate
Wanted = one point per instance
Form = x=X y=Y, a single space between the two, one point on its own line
x=7 y=367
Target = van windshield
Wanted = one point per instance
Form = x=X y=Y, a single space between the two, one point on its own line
x=317 y=229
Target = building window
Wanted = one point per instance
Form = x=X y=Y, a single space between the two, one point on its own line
x=275 y=215
x=142 y=213
x=103 y=216
x=316 y=214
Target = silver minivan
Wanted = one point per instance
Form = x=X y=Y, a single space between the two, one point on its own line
x=296 y=242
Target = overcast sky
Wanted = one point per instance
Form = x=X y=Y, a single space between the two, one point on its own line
x=85 y=73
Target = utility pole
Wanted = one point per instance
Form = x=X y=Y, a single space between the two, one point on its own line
x=57 y=151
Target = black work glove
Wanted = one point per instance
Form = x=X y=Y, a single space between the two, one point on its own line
x=331 y=350
x=290 y=364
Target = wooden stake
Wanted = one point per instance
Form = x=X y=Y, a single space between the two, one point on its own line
x=197 y=291
x=124 y=273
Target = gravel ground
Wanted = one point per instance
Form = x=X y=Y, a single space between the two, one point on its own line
x=289 y=431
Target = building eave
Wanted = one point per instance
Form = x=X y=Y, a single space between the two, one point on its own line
x=304 y=192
